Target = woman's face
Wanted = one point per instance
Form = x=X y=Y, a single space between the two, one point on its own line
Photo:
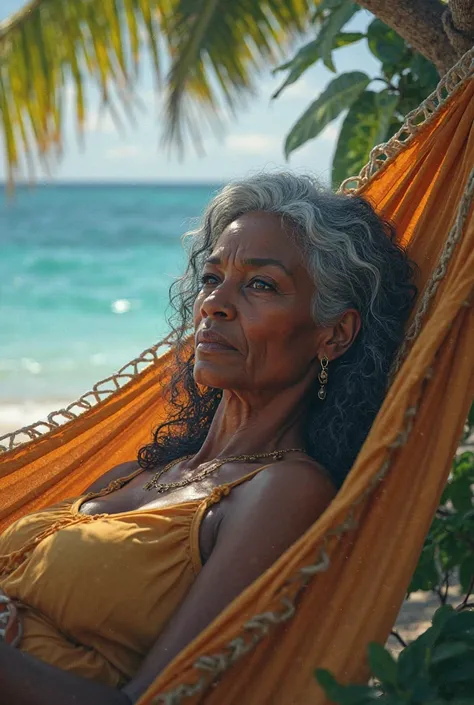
x=253 y=325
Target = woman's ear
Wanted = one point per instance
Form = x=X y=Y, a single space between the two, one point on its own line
x=337 y=339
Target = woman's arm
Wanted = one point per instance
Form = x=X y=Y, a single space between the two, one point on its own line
x=262 y=519
x=25 y=680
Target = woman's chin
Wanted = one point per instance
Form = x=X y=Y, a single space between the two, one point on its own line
x=211 y=374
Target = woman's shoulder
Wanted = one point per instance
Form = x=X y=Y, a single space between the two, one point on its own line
x=115 y=473
x=298 y=472
x=296 y=483
x=264 y=516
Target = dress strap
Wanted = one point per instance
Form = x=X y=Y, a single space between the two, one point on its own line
x=224 y=490
x=213 y=498
x=113 y=485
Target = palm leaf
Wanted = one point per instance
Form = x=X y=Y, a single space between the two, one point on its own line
x=225 y=44
x=214 y=49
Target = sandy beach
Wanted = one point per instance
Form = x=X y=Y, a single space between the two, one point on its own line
x=16 y=415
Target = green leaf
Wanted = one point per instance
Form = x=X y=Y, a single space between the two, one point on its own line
x=426 y=72
x=385 y=43
x=441 y=617
x=466 y=572
x=459 y=626
x=463 y=466
x=365 y=125
x=331 y=28
x=457 y=671
x=449 y=650
x=344 y=39
x=329 y=38
x=338 y=96
x=411 y=93
x=422 y=690
x=460 y=494
x=382 y=664
x=306 y=57
x=426 y=575
x=328 y=683
x=330 y=4
x=412 y=662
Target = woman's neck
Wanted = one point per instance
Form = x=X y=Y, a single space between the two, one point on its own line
x=250 y=424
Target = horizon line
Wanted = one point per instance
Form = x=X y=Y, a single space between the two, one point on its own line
x=72 y=182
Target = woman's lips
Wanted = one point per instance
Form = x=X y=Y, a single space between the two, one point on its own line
x=208 y=347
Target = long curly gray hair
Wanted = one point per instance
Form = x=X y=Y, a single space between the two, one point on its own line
x=353 y=258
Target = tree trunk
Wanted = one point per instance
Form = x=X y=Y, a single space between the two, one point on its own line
x=442 y=35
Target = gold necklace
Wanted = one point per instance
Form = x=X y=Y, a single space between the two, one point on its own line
x=215 y=465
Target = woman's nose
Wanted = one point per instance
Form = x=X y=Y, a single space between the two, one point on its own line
x=218 y=304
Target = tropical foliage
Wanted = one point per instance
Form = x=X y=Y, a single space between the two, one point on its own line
x=372 y=117
x=205 y=53
x=436 y=668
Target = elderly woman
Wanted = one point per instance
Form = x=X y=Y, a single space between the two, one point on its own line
x=298 y=299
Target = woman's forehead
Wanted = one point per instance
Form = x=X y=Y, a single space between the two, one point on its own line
x=255 y=235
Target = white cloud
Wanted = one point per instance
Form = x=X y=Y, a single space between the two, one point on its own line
x=252 y=143
x=100 y=122
x=124 y=151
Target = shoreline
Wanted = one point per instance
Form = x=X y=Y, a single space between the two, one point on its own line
x=18 y=414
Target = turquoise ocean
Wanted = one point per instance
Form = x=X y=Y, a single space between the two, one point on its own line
x=84 y=278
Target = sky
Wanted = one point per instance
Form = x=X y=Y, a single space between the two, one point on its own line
x=251 y=141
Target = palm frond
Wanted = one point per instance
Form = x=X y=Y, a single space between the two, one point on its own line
x=218 y=47
x=214 y=49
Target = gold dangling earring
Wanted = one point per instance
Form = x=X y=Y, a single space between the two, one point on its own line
x=323 y=378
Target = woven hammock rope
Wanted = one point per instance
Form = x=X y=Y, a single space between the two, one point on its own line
x=384 y=153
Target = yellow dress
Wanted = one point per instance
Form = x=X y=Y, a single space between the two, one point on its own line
x=95 y=591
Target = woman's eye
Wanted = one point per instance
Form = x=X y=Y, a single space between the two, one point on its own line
x=261 y=285
x=209 y=279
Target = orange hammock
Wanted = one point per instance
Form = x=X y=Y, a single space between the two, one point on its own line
x=341 y=585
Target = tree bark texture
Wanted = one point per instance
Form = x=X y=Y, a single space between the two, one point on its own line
x=458 y=22
x=442 y=35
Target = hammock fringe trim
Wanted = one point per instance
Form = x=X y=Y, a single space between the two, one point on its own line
x=99 y=392
x=383 y=154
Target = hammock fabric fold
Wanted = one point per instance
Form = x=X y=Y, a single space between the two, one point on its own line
x=341 y=585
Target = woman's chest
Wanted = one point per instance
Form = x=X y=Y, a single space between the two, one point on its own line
x=117 y=577
x=134 y=496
